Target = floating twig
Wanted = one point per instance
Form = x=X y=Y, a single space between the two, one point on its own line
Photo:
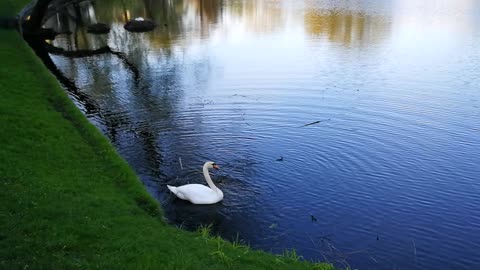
x=180 y=161
x=325 y=237
x=313 y=123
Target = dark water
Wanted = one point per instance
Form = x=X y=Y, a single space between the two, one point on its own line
x=389 y=179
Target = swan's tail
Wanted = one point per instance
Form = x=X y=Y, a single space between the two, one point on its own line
x=172 y=189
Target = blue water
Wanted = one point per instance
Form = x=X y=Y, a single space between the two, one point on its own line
x=388 y=179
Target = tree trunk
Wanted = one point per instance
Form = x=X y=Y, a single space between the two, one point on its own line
x=36 y=17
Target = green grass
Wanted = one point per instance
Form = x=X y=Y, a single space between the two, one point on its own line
x=69 y=201
x=11 y=7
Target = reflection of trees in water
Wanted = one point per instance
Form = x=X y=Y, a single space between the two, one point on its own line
x=183 y=19
x=178 y=21
x=258 y=16
x=209 y=10
x=73 y=19
x=145 y=104
x=101 y=75
x=198 y=16
x=345 y=26
x=175 y=19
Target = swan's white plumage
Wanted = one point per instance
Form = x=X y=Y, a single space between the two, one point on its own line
x=199 y=194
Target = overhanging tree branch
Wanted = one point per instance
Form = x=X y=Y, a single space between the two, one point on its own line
x=35 y=22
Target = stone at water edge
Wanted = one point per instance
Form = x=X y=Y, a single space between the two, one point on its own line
x=140 y=26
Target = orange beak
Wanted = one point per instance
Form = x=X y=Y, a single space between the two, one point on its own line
x=216 y=167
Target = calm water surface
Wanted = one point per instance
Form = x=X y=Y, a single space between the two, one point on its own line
x=389 y=179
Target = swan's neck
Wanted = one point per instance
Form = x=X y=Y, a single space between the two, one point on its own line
x=207 y=177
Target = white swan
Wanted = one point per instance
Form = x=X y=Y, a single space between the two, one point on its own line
x=200 y=194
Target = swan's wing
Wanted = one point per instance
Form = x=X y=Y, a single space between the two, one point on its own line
x=198 y=194
x=194 y=190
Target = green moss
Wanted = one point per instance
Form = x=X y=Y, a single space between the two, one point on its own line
x=69 y=201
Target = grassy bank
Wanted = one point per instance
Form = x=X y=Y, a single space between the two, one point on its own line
x=68 y=201
x=11 y=7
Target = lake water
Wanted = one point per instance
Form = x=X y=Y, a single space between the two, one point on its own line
x=389 y=177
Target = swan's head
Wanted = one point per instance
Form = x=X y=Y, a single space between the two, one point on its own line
x=212 y=165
